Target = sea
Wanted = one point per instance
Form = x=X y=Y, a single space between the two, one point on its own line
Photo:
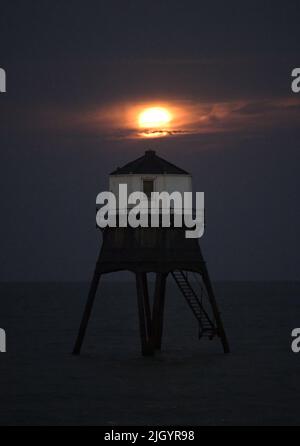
x=191 y=382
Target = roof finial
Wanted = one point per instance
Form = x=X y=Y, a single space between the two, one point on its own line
x=150 y=153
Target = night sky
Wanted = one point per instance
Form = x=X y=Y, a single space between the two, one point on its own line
x=70 y=65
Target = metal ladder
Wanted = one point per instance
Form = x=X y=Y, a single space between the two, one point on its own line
x=206 y=327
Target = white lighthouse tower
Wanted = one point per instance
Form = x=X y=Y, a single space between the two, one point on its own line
x=164 y=251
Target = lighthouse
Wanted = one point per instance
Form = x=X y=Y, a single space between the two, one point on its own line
x=165 y=251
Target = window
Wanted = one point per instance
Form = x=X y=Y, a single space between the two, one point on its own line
x=148 y=187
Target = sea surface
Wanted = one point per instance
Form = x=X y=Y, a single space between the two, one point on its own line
x=190 y=382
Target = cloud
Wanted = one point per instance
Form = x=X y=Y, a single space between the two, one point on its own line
x=197 y=118
x=119 y=120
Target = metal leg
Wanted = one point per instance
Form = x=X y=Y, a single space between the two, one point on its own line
x=147 y=304
x=158 y=310
x=147 y=348
x=215 y=309
x=87 y=312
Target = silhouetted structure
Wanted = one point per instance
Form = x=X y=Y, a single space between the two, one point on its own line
x=164 y=251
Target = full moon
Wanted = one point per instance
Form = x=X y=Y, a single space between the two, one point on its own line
x=154 y=118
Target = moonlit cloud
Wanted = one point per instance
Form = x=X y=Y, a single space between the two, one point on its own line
x=120 y=121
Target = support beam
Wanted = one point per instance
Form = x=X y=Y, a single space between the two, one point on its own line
x=215 y=309
x=87 y=312
x=146 y=344
x=147 y=304
x=158 y=310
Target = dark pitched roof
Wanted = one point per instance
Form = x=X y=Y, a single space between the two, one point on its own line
x=149 y=163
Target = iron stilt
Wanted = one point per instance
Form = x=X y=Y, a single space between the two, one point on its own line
x=215 y=309
x=158 y=310
x=146 y=344
x=87 y=312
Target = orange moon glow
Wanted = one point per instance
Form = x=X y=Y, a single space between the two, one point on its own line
x=156 y=118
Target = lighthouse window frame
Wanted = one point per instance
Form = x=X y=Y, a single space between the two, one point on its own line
x=150 y=189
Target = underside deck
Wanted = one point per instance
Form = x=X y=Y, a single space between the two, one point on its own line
x=149 y=250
